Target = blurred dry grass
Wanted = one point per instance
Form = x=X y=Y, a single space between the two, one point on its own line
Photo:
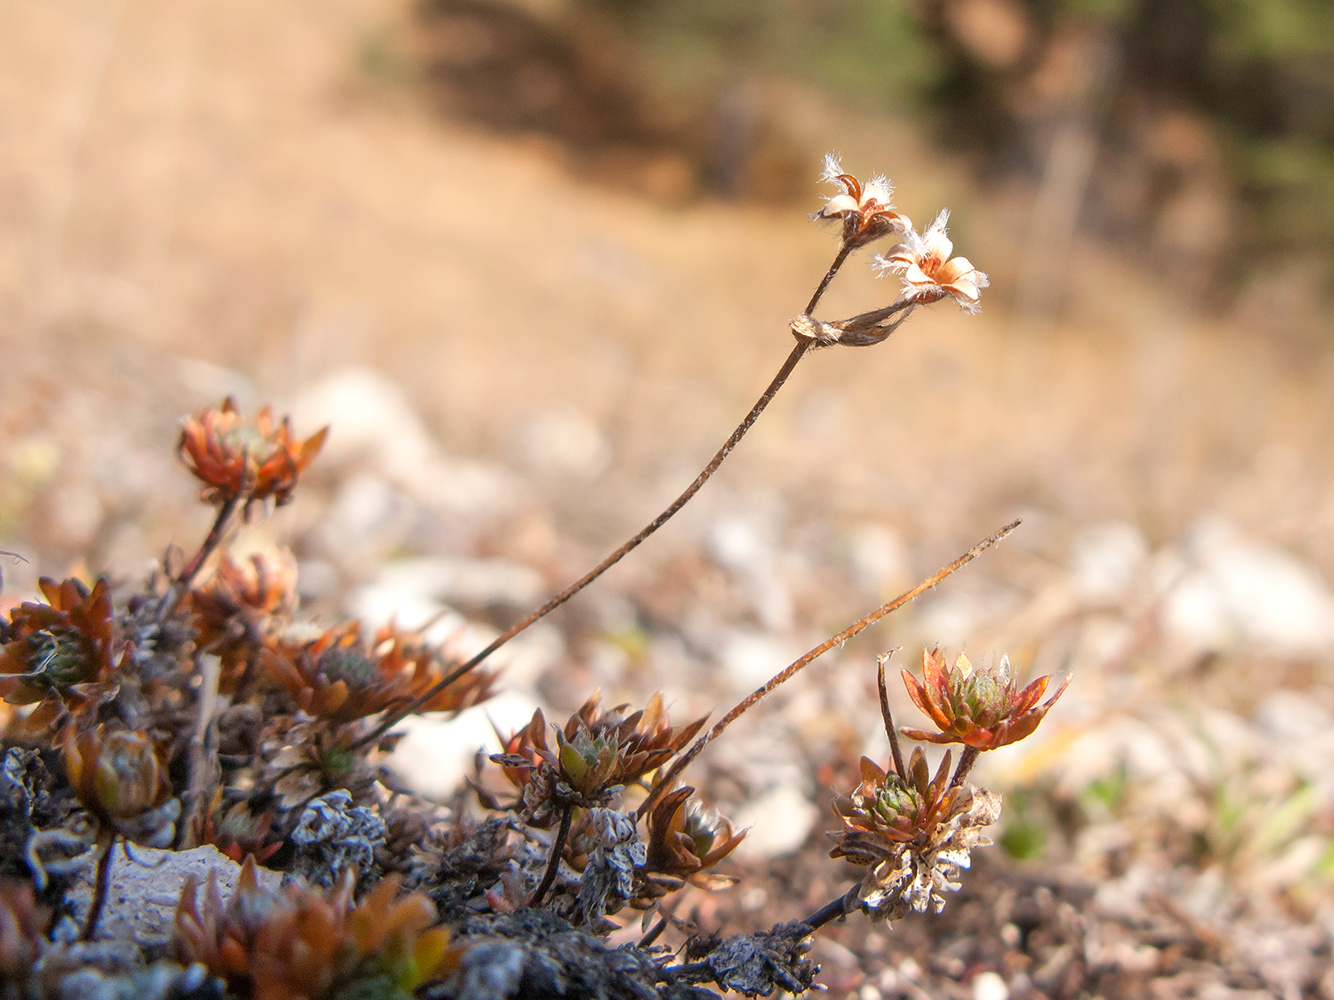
x=200 y=199
x=229 y=186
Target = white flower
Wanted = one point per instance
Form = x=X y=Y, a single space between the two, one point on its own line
x=866 y=210
x=928 y=271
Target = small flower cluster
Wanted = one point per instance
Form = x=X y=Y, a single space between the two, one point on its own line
x=922 y=260
x=302 y=942
x=597 y=754
x=914 y=831
x=246 y=460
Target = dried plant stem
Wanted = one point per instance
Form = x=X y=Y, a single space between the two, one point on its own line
x=888 y=718
x=204 y=771
x=101 y=884
x=831 y=910
x=793 y=668
x=842 y=256
x=797 y=353
x=553 y=862
x=172 y=598
x=966 y=761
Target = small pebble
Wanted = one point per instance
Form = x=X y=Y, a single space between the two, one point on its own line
x=990 y=986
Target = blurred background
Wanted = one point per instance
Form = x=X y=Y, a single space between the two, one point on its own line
x=533 y=259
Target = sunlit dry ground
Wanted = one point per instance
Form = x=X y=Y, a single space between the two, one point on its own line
x=198 y=199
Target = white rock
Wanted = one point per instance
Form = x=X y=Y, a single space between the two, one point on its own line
x=1107 y=560
x=990 y=986
x=564 y=442
x=749 y=658
x=1236 y=592
x=437 y=754
x=142 y=896
x=779 y=823
x=375 y=425
x=458 y=580
x=878 y=558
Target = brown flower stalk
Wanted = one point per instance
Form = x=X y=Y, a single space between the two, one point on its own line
x=867 y=215
x=797 y=665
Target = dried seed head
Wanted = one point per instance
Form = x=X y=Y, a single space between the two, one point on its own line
x=341 y=678
x=685 y=841
x=866 y=210
x=309 y=942
x=913 y=832
x=239 y=604
x=597 y=753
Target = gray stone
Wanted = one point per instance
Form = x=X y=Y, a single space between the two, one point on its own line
x=143 y=893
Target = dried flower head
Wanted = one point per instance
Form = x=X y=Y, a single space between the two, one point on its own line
x=236 y=831
x=340 y=678
x=981 y=708
x=914 y=833
x=240 y=459
x=120 y=777
x=684 y=842
x=301 y=760
x=59 y=655
x=929 y=272
x=866 y=210
x=597 y=753
x=234 y=609
x=304 y=942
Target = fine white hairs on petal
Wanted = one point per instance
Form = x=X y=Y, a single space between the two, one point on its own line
x=879 y=188
x=833 y=166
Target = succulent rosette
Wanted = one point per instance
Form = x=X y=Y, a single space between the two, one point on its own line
x=251 y=459
x=981 y=708
x=914 y=833
x=59 y=654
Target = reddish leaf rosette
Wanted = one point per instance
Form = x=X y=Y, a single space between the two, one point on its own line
x=246 y=459
x=980 y=708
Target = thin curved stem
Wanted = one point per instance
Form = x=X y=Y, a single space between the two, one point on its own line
x=888 y=718
x=101 y=883
x=176 y=590
x=797 y=665
x=966 y=761
x=553 y=862
x=793 y=358
x=842 y=256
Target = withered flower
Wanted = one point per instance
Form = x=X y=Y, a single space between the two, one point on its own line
x=120 y=777
x=914 y=833
x=301 y=760
x=234 y=609
x=302 y=942
x=59 y=655
x=236 y=831
x=240 y=459
x=338 y=677
x=684 y=842
x=597 y=754
x=866 y=210
x=930 y=274
x=980 y=708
